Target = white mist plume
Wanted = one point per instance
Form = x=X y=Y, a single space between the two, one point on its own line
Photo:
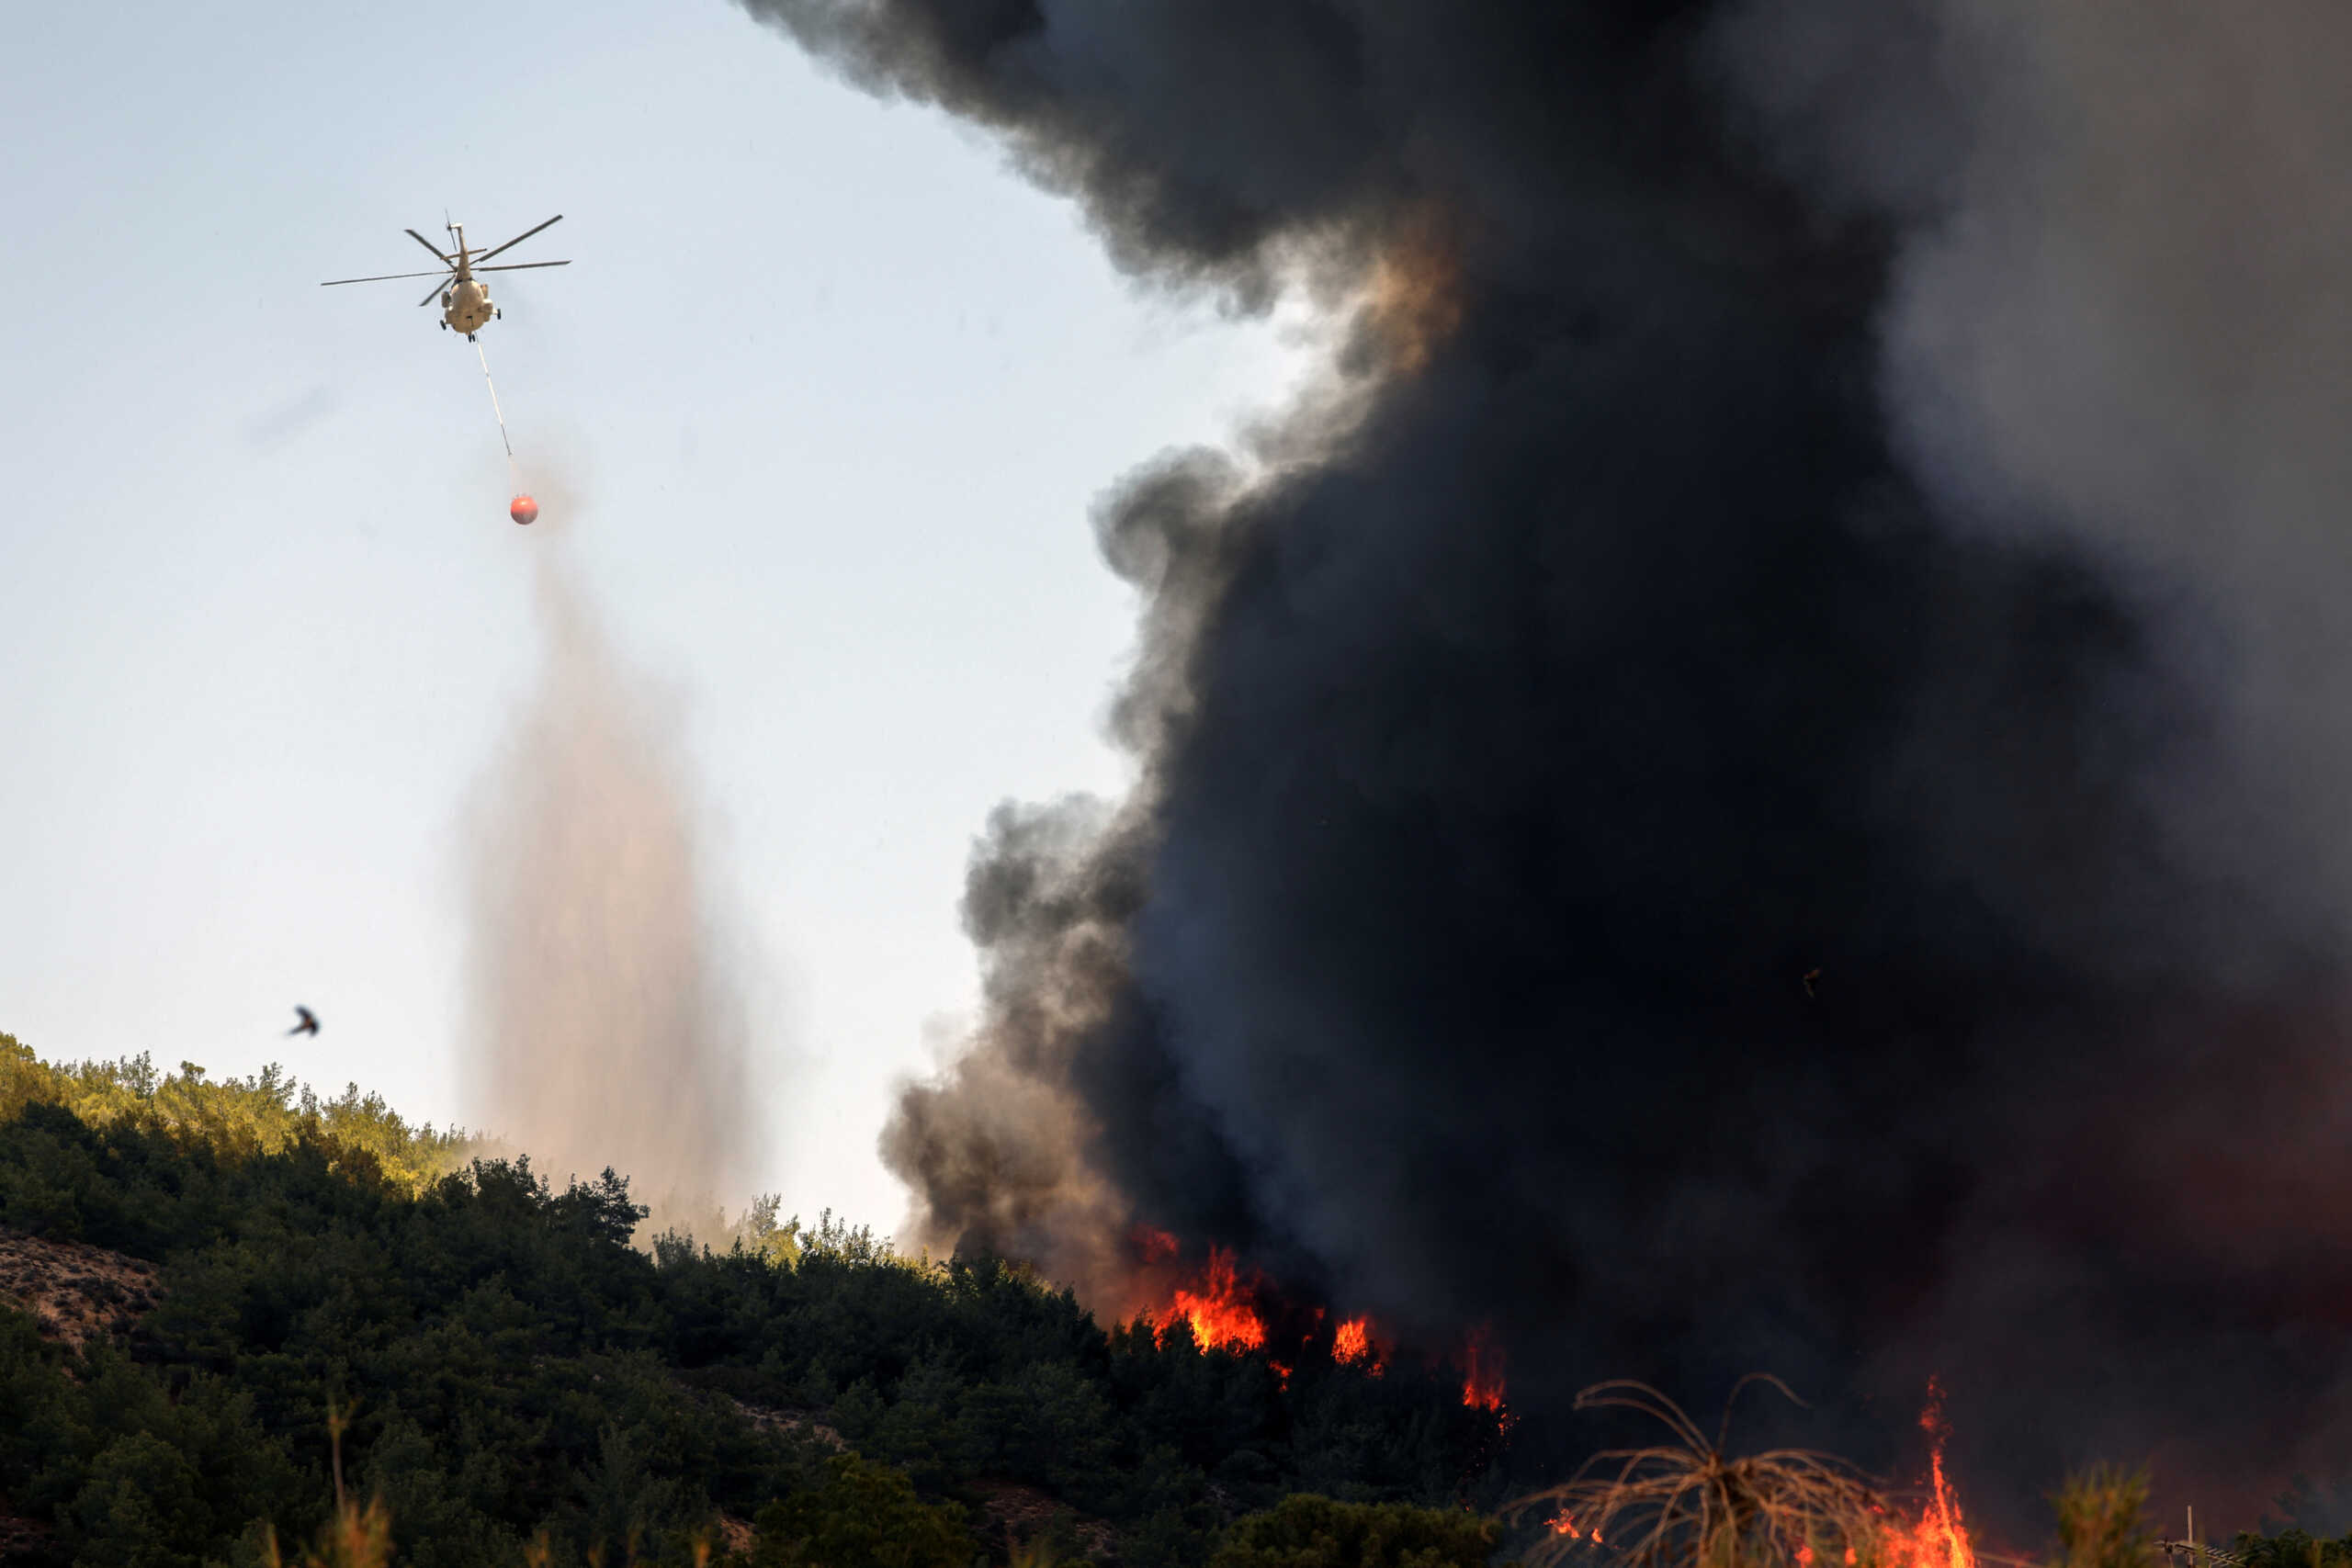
x=609 y=1031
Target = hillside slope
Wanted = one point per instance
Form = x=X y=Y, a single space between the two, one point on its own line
x=519 y=1378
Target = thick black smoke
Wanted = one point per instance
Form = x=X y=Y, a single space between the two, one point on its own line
x=1581 y=671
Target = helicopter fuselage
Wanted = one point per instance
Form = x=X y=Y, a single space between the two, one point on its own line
x=465 y=304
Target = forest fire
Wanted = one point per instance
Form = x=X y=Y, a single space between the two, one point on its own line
x=1221 y=1311
x=1227 y=1308
x=1939 y=1538
x=1482 y=1384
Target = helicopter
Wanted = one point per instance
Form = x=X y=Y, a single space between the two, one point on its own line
x=465 y=299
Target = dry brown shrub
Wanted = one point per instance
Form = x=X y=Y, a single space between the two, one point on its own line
x=1684 y=1503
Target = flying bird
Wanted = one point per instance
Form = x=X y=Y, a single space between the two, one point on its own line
x=310 y=1021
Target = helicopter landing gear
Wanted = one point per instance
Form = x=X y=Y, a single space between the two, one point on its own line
x=500 y=314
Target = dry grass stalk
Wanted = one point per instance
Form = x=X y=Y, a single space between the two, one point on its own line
x=1685 y=1504
x=354 y=1536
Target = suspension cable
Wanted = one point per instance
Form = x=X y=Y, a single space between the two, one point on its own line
x=494 y=402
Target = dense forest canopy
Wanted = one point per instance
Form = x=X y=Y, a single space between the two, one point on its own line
x=519 y=1378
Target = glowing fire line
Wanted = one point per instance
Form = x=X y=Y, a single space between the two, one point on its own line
x=1482 y=1385
x=1221 y=1311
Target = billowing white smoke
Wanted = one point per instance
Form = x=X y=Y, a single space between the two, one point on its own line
x=609 y=1032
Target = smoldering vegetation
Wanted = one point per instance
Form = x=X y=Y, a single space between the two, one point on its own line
x=1812 y=489
x=602 y=979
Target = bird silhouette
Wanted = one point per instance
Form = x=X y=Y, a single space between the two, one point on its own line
x=310 y=1024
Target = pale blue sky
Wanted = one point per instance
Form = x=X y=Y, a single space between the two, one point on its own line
x=835 y=392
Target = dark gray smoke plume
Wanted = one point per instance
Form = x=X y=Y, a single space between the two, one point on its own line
x=1812 y=487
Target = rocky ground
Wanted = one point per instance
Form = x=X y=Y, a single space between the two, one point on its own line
x=76 y=1291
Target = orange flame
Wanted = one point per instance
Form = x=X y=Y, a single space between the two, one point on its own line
x=1220 y=1310
x=1352 y=1342
x=1564 y=1523
x=1941 y=1538
x=1482 y=1385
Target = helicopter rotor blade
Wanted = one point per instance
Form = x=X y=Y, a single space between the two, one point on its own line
x=516 y=240
x=436 y=290
x=380 y=277
x=520 y=266
x=426 y=243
